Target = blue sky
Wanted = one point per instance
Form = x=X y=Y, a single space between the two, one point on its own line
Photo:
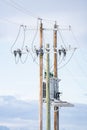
x=22 y=80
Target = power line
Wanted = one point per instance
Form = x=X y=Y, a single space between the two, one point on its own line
x=16 y=39
x=76 y=81
x=62 y=39
x=21 y=26
x=20 y=8
x=24 y=31
x=74 y=37
x=78 y=44
x=68 y=60
x=79 y=66
x=23 y=61
x=4 y=19
x=62 y=50
x=34 y=36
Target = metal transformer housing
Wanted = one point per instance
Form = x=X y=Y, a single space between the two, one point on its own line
x=54 y=89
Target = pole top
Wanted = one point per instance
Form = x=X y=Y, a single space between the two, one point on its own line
x=55 y=25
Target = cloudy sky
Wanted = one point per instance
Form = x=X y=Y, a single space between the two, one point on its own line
x=22 y=80
x=18 y=114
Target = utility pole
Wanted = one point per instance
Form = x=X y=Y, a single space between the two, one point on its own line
x=56 y=109
x=49 y=87
x=41 y=79
x=47 y=90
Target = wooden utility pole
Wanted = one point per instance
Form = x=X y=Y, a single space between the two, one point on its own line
x=47 y=90
x=41 y=79
x=56 y=109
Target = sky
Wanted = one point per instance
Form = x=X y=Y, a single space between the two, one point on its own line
x=22 y=80
x=17 y=114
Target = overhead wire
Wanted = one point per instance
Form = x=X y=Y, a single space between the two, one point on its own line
x=20 y=8
x=16 y=60
x=79 y=46
x=15 y=52
x=32 y=43
x=16 y=38
x=23 y=61
x=62 y=39
x=60 y=60
x=76 y=81
x=27 y=12
x=17 y=6
x=74 y=37
x=24 y=33
x=34 y=59
x=80 y=67
x=67 y=61
x=9 y=21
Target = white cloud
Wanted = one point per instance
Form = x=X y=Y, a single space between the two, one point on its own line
x=22 y=114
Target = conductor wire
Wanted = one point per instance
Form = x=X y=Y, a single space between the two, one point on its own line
x=24 y=29
x=67 y=61
x=34 y=36
x=16 y=39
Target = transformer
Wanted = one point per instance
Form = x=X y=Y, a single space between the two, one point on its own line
x=54 y=89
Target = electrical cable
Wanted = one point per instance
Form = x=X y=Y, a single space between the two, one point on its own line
x=62 y=39
x=78 y=44
x=16 y=39
x=79 y=65
x=24 y=59
x=20 y=8
x=67 y=61
x=57 y=62
x=16 y=60
x=61 y=60
x=9 y=21
x=34 y=37
x=75 y=37
x=24 y=30
x=76 y=81
x=34 y=59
